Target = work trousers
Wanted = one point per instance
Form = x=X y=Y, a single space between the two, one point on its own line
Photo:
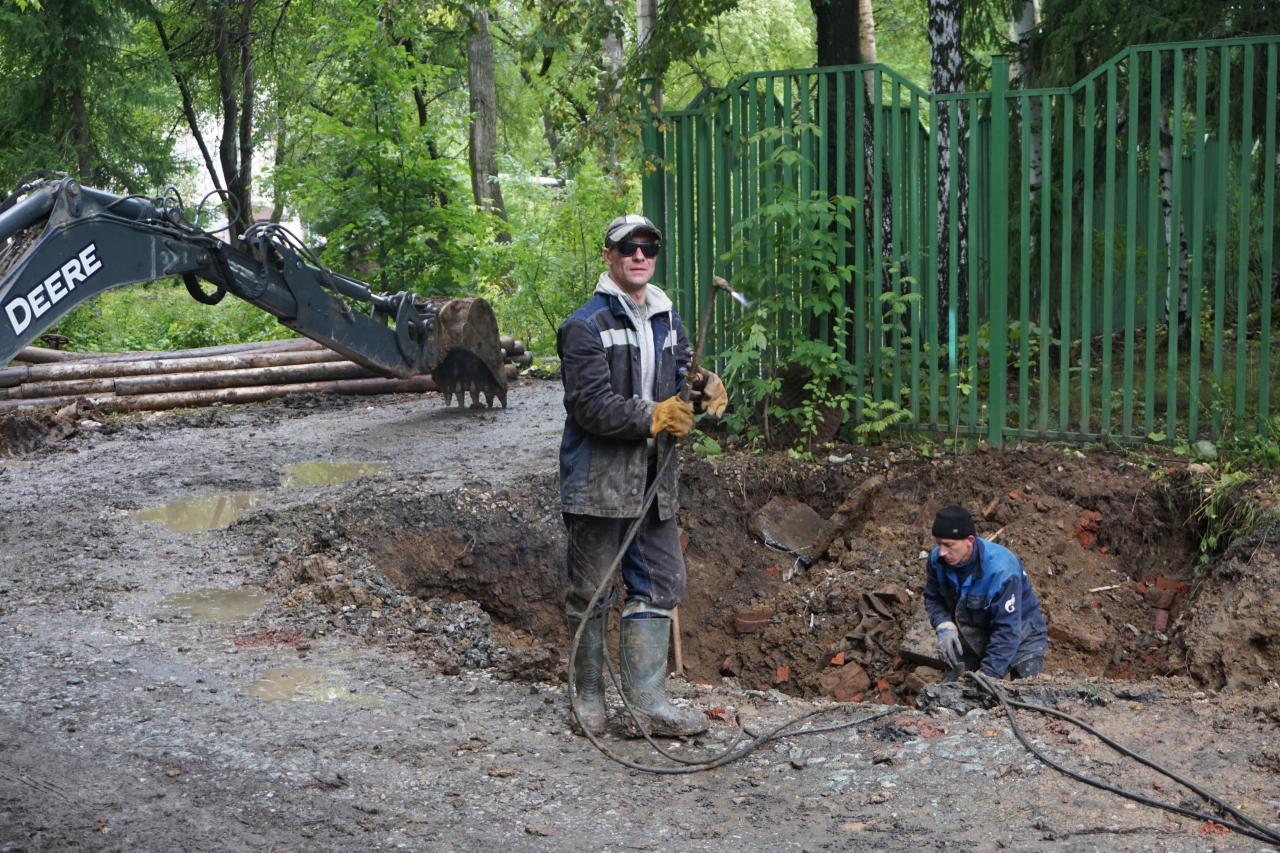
x=653 y=570
x=1027 y=661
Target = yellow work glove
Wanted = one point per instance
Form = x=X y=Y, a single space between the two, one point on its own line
x=708 y=394
x=674 y=416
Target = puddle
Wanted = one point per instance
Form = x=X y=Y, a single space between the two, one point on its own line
x=306 y=684
x=221 y=509
x=206 y=512
x=216 y=605
x=304 y=474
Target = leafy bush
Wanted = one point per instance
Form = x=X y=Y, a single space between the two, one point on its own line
x=792 y=238
x=162 y=316
x=551 y=265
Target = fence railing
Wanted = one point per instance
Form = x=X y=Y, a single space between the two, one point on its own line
x=1088 y=262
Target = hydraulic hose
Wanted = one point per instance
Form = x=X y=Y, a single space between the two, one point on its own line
x=1246 y=826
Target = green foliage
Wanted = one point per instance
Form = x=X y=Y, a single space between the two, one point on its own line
x=1227 y=507
x=706 y=446
x=1253 y=447
x=72 y=96
x=876 y=417
x=163 y=316
x=364 y=174
x=553 y=261
x=792 y=238
x=751 y=36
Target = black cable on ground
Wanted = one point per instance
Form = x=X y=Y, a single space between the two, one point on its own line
x=1247 y=826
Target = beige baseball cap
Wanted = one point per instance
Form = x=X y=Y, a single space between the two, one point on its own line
x=625 y=226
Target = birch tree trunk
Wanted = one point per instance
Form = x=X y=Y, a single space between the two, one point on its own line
x=483 y=133
x=947 y=76
x=1178 y=269
x=607 y=94
x=1024 y=22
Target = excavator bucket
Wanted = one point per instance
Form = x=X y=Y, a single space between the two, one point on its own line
x=472 y=354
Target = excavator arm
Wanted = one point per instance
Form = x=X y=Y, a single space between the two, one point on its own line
x=62 y=244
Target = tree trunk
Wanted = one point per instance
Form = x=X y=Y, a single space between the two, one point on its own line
x=281 y=142
x=868 y=54
x=1181 y=272
x=837 y=41
x=188 y=105
x=836 y=31
x=80 y=115
x=483 y=136
x=607 y=93
x=1024 y=21
x=233 y=55
x=947 y=76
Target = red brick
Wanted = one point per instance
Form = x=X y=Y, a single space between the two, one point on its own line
x=783 y=675
x=838 y=659
x=1162 y=620
x=845 y=683
x=750 y=621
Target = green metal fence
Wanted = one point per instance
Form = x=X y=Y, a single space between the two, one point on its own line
x=1088 y=262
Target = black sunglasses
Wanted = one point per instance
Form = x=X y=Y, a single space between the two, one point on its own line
x=627 y=248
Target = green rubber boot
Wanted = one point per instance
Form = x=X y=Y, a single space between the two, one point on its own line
x=644 y=675
x=587 y=683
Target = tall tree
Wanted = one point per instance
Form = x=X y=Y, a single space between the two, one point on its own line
x=483 y=132
x=947 y=76
x=218 y=41
x=74 y=99
x=837 y=29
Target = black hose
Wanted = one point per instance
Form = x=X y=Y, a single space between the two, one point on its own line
x=1247 y=826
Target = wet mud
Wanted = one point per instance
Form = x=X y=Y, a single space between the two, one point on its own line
x=371 y=653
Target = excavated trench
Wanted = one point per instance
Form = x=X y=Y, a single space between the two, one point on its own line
x=1105 y=541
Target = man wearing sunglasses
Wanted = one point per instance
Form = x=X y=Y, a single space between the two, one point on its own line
x=623 y=358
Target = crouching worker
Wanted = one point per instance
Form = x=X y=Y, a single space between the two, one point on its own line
x=623 y=357
x=980 y=603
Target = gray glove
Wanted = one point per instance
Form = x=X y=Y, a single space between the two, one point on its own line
x=949 y=644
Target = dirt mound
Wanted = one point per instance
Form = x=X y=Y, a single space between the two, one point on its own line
x=29 y=430
x=1088 y=531
x=1231 y=635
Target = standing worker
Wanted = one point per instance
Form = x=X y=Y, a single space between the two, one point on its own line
x=980 y=602
x=623 y=356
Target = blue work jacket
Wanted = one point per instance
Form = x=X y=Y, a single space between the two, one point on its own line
x=990 y=600
x=604 y=455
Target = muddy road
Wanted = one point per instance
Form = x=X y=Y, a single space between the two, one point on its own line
x=333 y=624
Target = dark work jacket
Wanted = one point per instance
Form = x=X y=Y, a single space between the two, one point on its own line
x=604 y=455
x=990 y=600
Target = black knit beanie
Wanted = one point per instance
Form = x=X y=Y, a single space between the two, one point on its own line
x=953 y=522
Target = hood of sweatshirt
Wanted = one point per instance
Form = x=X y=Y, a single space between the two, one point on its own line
x=655 y=300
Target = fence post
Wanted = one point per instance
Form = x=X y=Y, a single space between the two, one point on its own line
x=998 y=286
x=653 y=168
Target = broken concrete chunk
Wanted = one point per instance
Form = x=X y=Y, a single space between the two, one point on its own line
x=790 y=525
x=919 y=644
